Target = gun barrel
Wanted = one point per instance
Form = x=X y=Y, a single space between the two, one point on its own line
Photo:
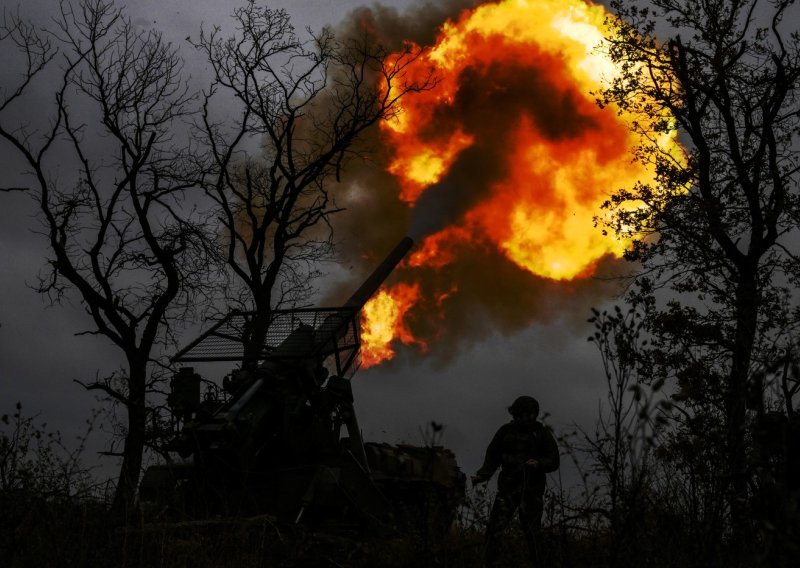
x=286 y=338
x=371 y=284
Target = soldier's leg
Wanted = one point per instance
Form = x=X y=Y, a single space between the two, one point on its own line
x=530 y=517
x=499 y=519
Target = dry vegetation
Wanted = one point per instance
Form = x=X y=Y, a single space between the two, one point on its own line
x=54 y=513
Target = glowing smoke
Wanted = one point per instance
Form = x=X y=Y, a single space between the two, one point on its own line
x=497 y=172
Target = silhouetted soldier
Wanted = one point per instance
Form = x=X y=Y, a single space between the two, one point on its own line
x=524 y=450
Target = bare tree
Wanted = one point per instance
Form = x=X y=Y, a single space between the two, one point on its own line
x=119 y=232
x=299 y=108
x=718 y=228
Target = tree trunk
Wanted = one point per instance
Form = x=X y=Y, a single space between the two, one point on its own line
x=125 y=494
x=746 y=312
x=256 y=334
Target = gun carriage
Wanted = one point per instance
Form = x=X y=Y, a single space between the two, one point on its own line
x=280 y=434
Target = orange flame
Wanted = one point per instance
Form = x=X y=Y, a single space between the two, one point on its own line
x=383 y=321
x=515 y=79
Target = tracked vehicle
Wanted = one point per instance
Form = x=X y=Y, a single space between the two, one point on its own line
x=280 y=436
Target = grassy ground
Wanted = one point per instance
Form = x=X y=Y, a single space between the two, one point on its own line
x=40 y=533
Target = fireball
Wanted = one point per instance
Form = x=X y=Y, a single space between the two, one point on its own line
x=512 y=146
x=382 y=322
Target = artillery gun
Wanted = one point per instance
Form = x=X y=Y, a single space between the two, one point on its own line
x=280 y=435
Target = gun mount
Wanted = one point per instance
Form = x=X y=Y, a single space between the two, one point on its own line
x=280 y=435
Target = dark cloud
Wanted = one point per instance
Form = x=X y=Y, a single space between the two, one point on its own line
x=418 y=22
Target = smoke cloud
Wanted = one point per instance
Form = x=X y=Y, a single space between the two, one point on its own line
x=479 y=291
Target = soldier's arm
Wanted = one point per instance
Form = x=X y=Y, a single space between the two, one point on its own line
x=550 y=459
x=493 y=459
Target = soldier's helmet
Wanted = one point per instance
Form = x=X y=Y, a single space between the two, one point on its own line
x=524 y=405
